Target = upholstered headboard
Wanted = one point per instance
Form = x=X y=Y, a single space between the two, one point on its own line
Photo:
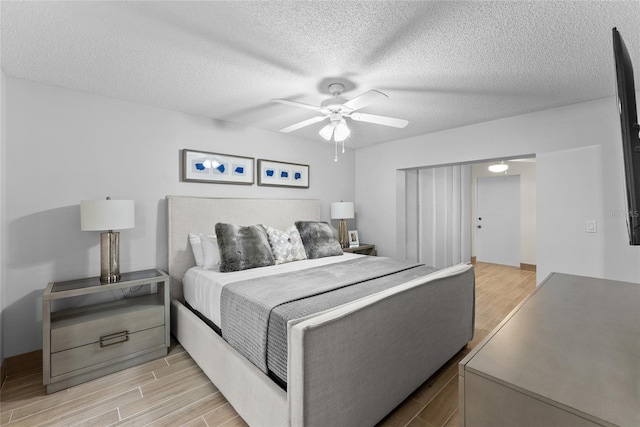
x=199 y=215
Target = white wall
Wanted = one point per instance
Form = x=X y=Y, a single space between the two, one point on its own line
x=64 y=146
x=527 y=172
x=569 y=200
x=3 y=169
x=548 y=134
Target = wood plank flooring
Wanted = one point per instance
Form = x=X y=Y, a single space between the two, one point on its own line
x=173 y=391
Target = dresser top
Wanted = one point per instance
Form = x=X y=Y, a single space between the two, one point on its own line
x=574 y=341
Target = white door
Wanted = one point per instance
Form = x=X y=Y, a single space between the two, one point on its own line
x=498 y=220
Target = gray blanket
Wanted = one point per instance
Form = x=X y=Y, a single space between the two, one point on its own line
x=247 y=306
x=277 y=336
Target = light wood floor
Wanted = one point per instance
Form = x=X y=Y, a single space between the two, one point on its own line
x=172 y=391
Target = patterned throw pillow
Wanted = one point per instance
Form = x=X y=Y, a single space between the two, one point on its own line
x=286 y=245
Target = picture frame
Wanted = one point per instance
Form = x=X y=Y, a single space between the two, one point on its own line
x=354 y=240
x=216 y=168
x=272 y=173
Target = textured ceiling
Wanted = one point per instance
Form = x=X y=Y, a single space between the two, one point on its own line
x=442 y=64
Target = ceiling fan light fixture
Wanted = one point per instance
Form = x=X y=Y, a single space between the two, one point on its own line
x=327 y=131
x=336 y=109
x=498 y=167
x=342 y=131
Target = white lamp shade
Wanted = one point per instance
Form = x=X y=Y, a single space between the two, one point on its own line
x=341 y=132
x=327 y=131
x=100 y=215
x=342 y=210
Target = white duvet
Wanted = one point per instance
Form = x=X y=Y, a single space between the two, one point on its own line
x=203 y=288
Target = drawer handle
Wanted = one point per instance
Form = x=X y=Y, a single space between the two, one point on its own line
x=119 y=336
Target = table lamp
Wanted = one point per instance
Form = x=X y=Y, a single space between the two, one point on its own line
x=108 y=215
x=342 y=211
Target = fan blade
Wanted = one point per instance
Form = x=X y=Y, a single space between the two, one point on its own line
x=365 y=99
x=297 y=104
x=302 y=124
x=379 y=120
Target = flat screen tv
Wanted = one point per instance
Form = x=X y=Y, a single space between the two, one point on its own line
x=630 y=134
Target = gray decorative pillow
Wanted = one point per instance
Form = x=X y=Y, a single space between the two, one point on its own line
x=243 y=247
x=318 y=239
x=286 y=245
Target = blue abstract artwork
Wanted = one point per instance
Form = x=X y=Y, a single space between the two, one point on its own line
x=203 y=166
x=282 y=174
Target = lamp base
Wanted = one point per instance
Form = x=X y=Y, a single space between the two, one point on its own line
x=343 y=238
x=109 y=257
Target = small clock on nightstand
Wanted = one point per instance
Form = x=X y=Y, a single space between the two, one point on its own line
x=361 y=249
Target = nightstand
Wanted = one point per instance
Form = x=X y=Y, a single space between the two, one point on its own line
x=87 y=342
x=362 y=249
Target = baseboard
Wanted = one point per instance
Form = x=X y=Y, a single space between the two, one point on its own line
x=15 y=365
x=528 y=267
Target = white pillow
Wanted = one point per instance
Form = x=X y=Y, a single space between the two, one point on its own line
x=286 y=245
x=196 y=248
x=210 y=252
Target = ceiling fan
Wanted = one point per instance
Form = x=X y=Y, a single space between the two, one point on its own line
x=337 y=108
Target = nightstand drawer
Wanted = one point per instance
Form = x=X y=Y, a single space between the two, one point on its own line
x=109 y=347
x=78 y=327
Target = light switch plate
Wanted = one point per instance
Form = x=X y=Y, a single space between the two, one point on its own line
x=592 y=226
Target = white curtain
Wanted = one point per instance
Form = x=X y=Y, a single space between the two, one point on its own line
x=438 y=210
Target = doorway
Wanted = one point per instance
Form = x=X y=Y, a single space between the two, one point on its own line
x=498 y=237
x=412 y=244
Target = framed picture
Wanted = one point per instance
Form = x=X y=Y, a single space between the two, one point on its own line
x=216 y=168
x=354 y=240
x=280 y=174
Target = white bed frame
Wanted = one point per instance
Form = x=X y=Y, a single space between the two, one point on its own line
x=348 y=366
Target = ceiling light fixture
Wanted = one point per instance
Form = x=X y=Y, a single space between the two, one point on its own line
x=336 y=108
x=338 y=129
x=342 y=131
x=499 y=167
x=327 y=131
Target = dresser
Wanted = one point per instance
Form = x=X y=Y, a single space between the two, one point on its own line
x=569 y=355
x=85 y=341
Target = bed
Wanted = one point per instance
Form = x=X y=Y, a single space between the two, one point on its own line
x=348 y=365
